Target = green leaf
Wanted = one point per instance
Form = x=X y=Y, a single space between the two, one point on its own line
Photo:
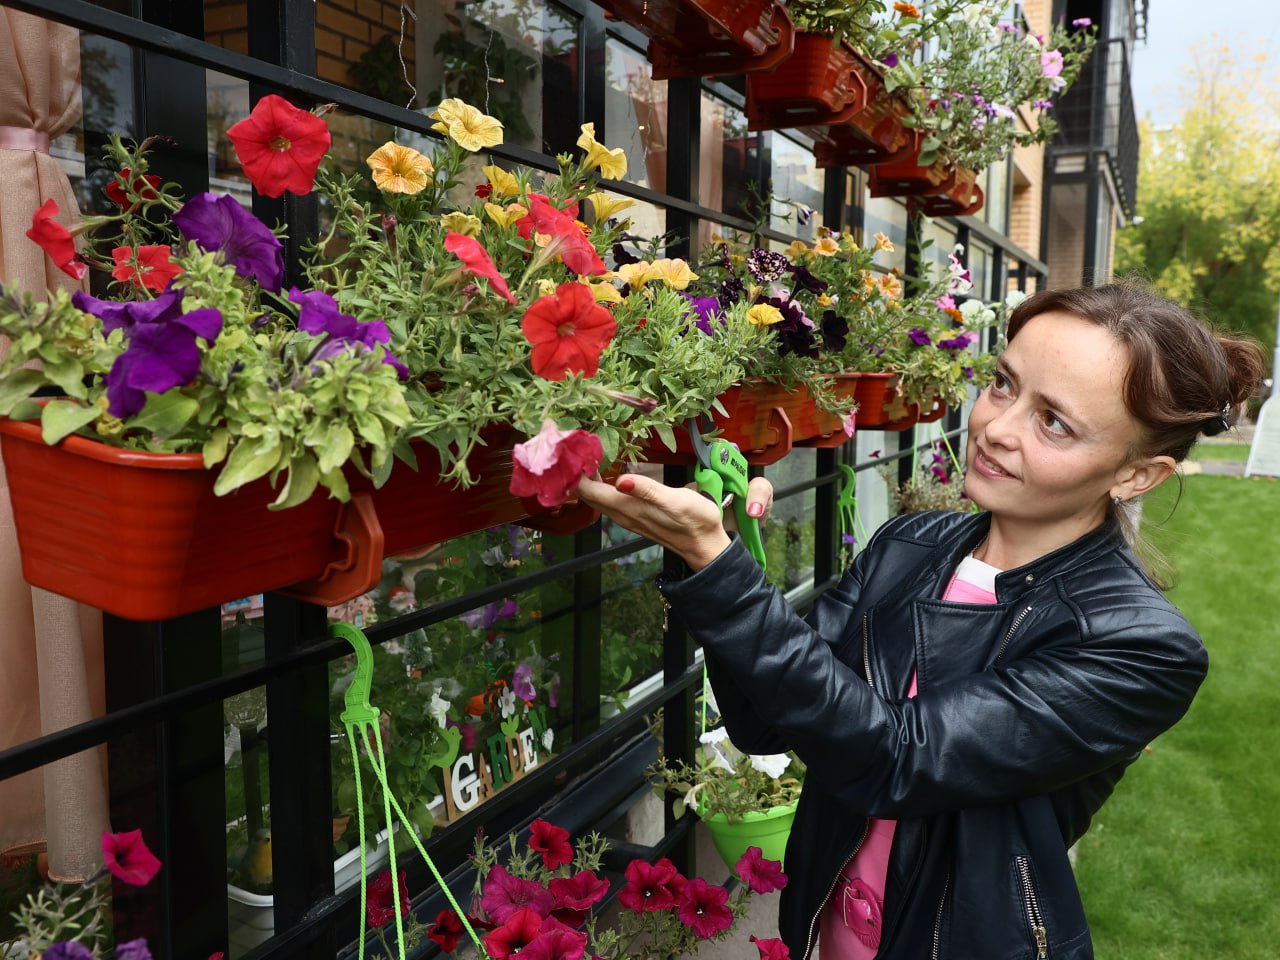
x=248 y=462
x=215 y=448
x=666 y=434
x=166 y=414
x=338 y=442
x=25 y=410
x=16 y=387
x=67 y=373
x=63 y=417
x=300 y=483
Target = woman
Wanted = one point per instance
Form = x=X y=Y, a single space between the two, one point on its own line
x=971 y=691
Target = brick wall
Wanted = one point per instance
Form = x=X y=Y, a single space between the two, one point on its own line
x=1026 y=209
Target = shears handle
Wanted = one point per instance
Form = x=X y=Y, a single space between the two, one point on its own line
x=727 y=474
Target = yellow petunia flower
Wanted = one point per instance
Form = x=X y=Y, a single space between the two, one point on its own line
x=604 y=292
x=883 y=242
x=612 y=164
x=463 y=223
x=764 y=315
x=824 y=300
x=636 y=275
x=467 y=126
x=826 y=247
x=504 y=183
x=890 y=286
x=797 y=249
x=606 y=206
x=505 y=216
x=399 y=169
x=546 y=287
x=674 y=273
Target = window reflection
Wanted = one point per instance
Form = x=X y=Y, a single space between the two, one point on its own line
x=635 y=110
x=797 y=189
x=888 y=216
x=789 y=532
x=729 y=161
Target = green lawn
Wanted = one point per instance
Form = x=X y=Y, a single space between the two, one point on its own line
x=1220 y=451
x=1183 y=861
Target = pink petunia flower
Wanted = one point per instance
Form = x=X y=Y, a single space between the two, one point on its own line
x=552 y=842
x=1051 y=63
x=704 y=908
x=506 y=895
x=550 y=465
x=576 y=895
x=760 y=874
x=771 y=949
x=557 y=943
x=567 y=239
x=128 y=858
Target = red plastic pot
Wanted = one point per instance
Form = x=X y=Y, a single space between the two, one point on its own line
x=700 y=38
x=962 y=198
x=902 y=175
x=820 y=83
x=876 y=396
x=143 y=536
x=873 y=134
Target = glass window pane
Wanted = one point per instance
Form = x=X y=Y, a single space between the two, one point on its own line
x=729 y=159
x=996 y=208
x=635 y=111
x=797 y=189
x=944 y=241
x=630 y=625
x=888 y=216
x=979 y=263
x=789 y=532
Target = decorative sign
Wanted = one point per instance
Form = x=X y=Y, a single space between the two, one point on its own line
x=496 y=762
x=1264 y=455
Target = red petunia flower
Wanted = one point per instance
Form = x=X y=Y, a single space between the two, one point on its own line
x=280 y=146
x=558 y=943
x=568 y=330
x=506 y=895
x=567 y=239
x=484 y=190
x=524 y=226
x=55 y=240
x=152 y=267
x=552 y=842
x=446 y=931
x=476 y=259
x=128 y=858
x=380 y=903
x=519 y=930
x=771 y=949
x=144 y=187
x=704 y=908
x=550 y=465
x=760 y=874
x=652 y=887
x=576 y=895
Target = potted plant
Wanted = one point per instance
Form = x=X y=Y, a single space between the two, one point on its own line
x=966 y=96
x=936 y=483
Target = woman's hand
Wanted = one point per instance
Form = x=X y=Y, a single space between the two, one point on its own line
x=678 y=518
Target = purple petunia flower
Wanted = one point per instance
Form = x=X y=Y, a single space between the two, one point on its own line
x=767 y=266
x=849 y=539
x=133 y=950
x=483 y=618
x=318 y=315
x=522 y=681
x=890 y=60
x=68 y=950
x=968 y=373
x=804 y=215
x=918 y=336
x=222 y=224
x=707 y=310
x=957 y=343
x=553 y=691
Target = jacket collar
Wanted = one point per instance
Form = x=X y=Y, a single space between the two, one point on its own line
x=1011 y=584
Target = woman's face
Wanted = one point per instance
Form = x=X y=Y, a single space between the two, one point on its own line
x=1050 y=439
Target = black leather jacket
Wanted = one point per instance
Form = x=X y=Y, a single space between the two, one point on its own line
x=1028 y=711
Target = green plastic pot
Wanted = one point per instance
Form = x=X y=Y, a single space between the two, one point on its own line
x=768 y=831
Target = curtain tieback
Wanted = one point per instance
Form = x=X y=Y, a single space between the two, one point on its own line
x=24 y=138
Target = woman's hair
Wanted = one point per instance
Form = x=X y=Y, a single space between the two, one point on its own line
x=1183 y=380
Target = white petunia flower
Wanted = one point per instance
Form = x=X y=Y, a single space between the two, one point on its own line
x=437 y=708
x=548 y=737
x=772 y=765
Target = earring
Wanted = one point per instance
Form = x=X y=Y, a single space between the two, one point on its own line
x=1118 y=501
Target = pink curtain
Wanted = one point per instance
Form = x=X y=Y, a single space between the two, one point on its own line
x=50 y=647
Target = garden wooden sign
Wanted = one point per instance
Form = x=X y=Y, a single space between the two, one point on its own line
x=495 y=762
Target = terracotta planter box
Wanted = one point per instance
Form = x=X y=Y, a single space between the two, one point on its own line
x=903 y=176
x=820 y=83
x=700 y=38
x=871 y=135
x=143 y=536
x=875 y=394
x=962 y=198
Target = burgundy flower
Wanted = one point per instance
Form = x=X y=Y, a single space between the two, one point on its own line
x=771 y=949
x=446 y=931
x=506 y=895
x=835 y=331
x=380 y=902
x=558 y=943
x=761 y=875
x=519 y=930
x=576 y=895
x=704 y=908
x=652 y=887
x=919 y=337
x=552 y=842
x=280 y=146
x=128 y=858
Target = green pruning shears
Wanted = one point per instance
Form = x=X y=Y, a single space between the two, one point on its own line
x=721 y=474
x=360 y=718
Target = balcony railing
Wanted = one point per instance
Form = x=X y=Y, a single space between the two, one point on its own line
x=1097 y=114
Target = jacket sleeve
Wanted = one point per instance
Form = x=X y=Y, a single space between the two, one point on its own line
x=1027 y=728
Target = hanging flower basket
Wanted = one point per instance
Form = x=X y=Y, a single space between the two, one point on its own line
x=873 y=134
x=819 y=84
x=902 y=175
x=700 y=38
x=143 y=536
x=765 y=421
x=768 y=831
x=877 y=400
x=962 y=198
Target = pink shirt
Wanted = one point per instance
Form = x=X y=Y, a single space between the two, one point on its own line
x=851 y=920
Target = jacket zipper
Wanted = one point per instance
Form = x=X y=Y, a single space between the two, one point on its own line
x=937 y=923
x=808 y=945
x=1034 y=917
x=1017 y=622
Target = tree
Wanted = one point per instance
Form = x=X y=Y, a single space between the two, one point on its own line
x=1208 y=230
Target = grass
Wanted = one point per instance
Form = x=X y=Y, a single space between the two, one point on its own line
x=1182 y=861
x=1220 y=451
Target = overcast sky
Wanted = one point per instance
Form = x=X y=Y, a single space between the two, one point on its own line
x=1173 y=26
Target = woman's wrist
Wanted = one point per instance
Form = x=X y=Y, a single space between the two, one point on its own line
x=705 y=549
